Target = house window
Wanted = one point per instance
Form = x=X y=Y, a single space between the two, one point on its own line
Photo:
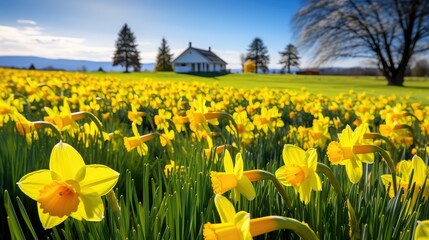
x=183 y=64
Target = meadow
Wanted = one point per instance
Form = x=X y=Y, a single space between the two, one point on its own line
x=173 y=156
x=330 y=86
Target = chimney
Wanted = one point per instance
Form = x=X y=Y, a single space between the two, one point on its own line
x=210 y=49
x=190 y=44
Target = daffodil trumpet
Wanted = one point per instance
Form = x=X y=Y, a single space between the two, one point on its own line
x=267 y=224
x=332 y=179
x=233 y=178
x=258 y=174
x=362 y=149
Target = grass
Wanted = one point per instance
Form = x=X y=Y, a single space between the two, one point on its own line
x=330 y=86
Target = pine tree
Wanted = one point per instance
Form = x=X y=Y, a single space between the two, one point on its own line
x=289 y=58
x=126 y=53
x=163 y=60
x=258 y=53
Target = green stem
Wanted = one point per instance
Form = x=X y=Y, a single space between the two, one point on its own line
x=353 y=222
x=231 y=119
x=80 y=115
x=332 y=179
x=263 y=225
x=409 y=128
x=43 y=124
x=362 y=149
x=255 y=175
x=379 y=136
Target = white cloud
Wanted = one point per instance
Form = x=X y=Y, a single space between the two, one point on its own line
x=31 y=40
x=26 y=21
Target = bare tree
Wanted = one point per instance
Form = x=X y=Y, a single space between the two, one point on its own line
x=389 y=31
x=289 y=57
x=243 y=61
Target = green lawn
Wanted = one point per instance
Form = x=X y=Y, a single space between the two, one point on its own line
x=416 y=88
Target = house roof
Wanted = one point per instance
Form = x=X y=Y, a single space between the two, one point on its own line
x=208 y=54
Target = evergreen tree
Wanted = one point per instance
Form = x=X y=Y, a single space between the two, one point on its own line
x=163 y=60
x=289 y=58
x=258 y=53
x=126 y=53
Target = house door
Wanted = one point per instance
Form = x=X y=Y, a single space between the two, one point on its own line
x=193 y=67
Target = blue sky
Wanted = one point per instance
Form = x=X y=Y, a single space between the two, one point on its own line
x=87 y=29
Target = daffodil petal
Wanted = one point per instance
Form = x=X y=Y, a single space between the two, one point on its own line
x=314 y=181
x=354 y=170
x=135 y=130
x=246 y=188
x=422 y=230
x=99 y=178
x=91 y=208
x=47 y=220
x=304 y=191
x=242 y=222
x=65 y=161
x=33 y=182
x=311 y=156
x=224 y=208
x=346 y=137
x=359 y=132
x=238 y=168
x=419 y=170
x=281 y=176
x=227 y=162
x=293 y=154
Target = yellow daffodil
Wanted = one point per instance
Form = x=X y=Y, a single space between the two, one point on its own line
x=234 y=226
x=198 y=118
x=69 y=187
x=179 y=123
x=135 y=116
x=232 y=179
x=422 y=230
x=161 y=120
x=342 y=152
x=239 y=226
x=138 y=141
x=320 y=130
x=6 y=111
x=299 y=171
x=268 y=120
x=25 y=127
x=90 y=135
x=417 y=169
x=62 y=118
x=172 y=168
x=244 y=125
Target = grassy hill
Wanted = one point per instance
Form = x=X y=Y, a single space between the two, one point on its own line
x=415 y=88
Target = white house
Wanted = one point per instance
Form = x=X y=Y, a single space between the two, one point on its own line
x=198 y=60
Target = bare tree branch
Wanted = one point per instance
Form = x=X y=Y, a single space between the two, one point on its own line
x=390 y=31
